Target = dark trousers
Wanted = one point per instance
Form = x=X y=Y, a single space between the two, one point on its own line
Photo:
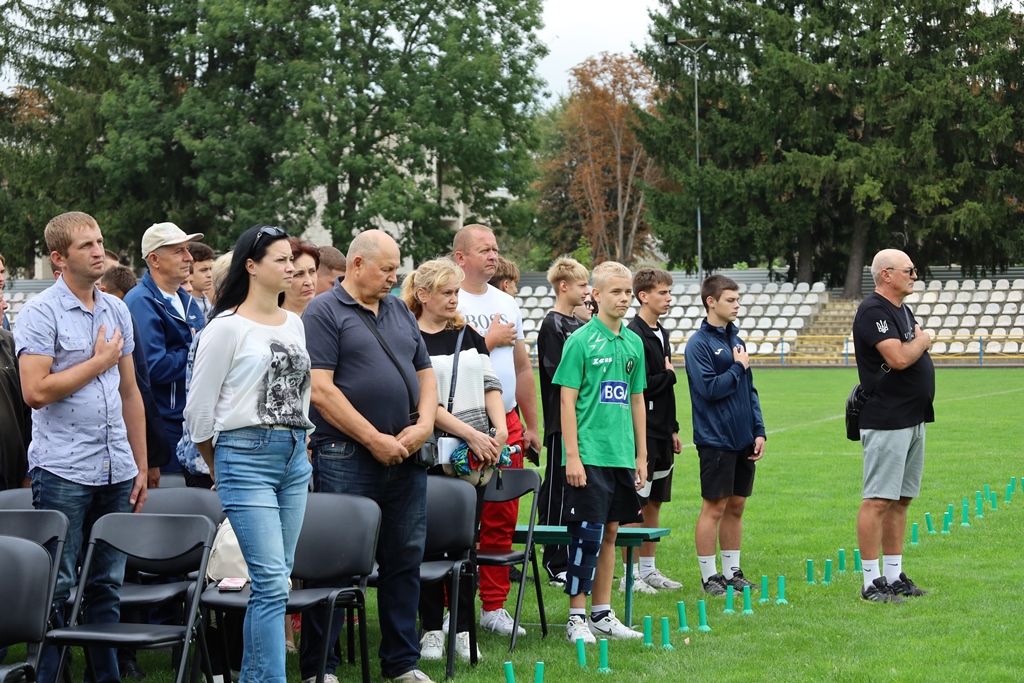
x=552 y=506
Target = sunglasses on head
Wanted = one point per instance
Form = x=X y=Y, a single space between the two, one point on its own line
x=271 y=231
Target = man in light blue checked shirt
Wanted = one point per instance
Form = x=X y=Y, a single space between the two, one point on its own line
x=88 y=452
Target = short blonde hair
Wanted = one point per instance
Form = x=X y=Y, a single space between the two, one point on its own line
x=219 y=271
x=607 y=270
x=432 y=276
x=566 y=269
x=59 y=231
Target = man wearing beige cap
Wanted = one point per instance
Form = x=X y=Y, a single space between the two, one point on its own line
x=167 y=318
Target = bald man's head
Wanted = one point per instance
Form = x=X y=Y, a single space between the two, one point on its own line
x=373 y=260
x=466 y=234
x=887 y=258
x=369 y=246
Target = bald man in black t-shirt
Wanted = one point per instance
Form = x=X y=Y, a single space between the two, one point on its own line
x=895 y=368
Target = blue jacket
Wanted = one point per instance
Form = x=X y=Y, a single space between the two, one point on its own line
x=726 y=408
x=165 y=338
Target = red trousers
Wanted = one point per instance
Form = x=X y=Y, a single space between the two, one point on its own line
x=497 y=524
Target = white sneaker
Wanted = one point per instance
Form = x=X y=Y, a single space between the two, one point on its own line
x=639 y=586
x=413 y=676
x=558 y=580
x=577 y=629
x=660 y=582
x=328 y=678
x=462 y=646
x=498 y=621
x=612 y=628
x=432 y=646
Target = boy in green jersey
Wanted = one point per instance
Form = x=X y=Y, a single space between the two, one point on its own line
x=605 y=449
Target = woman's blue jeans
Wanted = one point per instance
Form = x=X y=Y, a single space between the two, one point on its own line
x=262 y=478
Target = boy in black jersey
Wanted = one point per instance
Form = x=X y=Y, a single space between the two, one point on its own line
x=568 y=278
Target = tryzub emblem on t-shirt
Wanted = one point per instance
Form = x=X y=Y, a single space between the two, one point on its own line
x=883 y=326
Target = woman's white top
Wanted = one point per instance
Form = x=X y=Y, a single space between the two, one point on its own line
x=247 y=374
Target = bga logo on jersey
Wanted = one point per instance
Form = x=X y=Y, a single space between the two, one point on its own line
x=615 y=392
x=883 y=326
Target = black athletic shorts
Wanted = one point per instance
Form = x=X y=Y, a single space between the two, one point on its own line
x=609 y=496
x=725 y=473
x=660 y=461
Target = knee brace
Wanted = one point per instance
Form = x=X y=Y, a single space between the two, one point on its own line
x=584 y=546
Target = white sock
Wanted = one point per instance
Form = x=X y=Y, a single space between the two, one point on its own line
x=708 y=568
x=646 y=566
x=892 y=566
x=577 y=611
x=730 y=562
x=870 y=568
x=598 y=609
x=636 y=570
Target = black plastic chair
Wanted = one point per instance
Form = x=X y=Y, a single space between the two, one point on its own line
x=337 y=544
x=26 y=594
x=48 y=529
x=168 y=545
x=16 y=499
x=513 y=484
x=451 y=530
x=171 y=480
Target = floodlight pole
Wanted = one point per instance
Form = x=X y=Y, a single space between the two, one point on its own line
x=670 y=39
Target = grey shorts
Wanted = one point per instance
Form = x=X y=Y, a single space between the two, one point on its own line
x=893 y=462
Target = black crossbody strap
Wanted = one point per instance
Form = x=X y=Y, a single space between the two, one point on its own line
x=365 y=317
x=455 y=368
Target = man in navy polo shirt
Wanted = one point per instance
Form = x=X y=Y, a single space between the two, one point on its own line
x=363 y=438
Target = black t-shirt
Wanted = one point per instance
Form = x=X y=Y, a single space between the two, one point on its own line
x=554 y=330
x=443 y=343
x=903 y=398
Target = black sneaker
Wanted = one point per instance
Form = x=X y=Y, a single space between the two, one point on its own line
x=880 y=591
x=716 y=585
x=738 y=581
x=905 y=587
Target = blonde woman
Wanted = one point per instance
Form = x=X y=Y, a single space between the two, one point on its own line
x=432 y=294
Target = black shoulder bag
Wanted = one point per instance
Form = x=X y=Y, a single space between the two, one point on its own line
x=860 y=394
x=426 y=456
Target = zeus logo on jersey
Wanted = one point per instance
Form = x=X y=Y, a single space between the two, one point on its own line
x=602 y=361
x=615 y=392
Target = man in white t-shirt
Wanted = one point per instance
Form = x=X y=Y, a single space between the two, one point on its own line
x=496 y=316
x=167 y=318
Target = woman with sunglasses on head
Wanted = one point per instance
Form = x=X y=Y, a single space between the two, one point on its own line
x=432 y=294
x=247 y=412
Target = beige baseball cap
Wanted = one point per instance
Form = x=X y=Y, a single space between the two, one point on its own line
x=164 y=234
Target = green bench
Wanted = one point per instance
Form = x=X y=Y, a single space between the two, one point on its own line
x=628 y=538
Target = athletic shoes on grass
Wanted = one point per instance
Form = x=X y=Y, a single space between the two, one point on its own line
x=611 y=628
x=738 y=581
x=577 y=629
x=716 y=585
x=905 y=587
x=879 y=591
x=639 y=586
x=498 y=621
x=660 y=582
x=558 y=580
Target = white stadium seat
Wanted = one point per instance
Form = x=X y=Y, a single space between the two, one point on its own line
x=1011 y=347
x=945 y=333
x=764 y=324
x=693 y=289
x=525 y=291
x=788 y=311
x=981 y=332
x=1016 y=332
x=962 y=297
x=677 y=290
x=796 y=323
x=940 y=309
x=990 y=309
x=993 y=347
x=542 y=290
x=765 y=349
x=1004 y=321
x=951 y=321
x=819 y=287
x=969 y=321
x=998 y=333
x=973 y=347
x=802 y=288
x=963 y=334
x=968 y=285
x=985 y=284
x=957 y=309
x=787 y=287
x=998 y=296
x=951 y=285
x=946 y=297
x=934 y=286
x=956 y=347
x=779 y=299
x=669 y=323
x=1015 y=296
x=756 y=288
x=938 y=348
x=1002 y=284
x=933 y=321
x=811 y=299
x=986 y=321
x=790 y=335
x=922 y=309
x=780 y=323
x=756 y=311
x=772 y=311
x=912 y=298
x=929 y=297
x=1010 y=309
x=530 y=302
x=980 y=297
x=771 y=288
x=795 y=299
x=919 y=285
x=804 y=311
x=1018 y=284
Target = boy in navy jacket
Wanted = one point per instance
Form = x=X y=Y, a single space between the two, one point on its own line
x=728 y=431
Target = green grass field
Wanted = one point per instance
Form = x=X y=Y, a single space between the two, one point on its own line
x=804 y=505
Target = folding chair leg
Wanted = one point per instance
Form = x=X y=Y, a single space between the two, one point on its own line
x=540 y=594
x=351 y=635
x=364 y=647
x=453 y=624
x=519 y=606
x=472 y=622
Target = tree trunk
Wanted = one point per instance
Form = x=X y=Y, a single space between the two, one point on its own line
x=855 y=268
x=805 y=255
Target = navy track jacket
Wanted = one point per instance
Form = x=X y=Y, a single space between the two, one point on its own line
x=726 y=408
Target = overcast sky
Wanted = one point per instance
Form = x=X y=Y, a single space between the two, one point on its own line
x=574 y=30
x=577 y=29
